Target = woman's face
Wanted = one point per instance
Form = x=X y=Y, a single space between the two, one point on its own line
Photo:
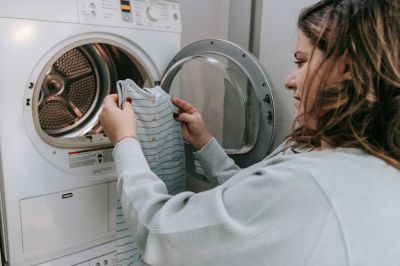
x=305 y=79
x=307 y=63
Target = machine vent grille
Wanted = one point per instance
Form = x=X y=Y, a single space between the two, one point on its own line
x=82 y=94
x=55 y=115
x=72 y=63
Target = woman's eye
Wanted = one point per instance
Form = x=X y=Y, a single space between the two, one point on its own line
x=299 y=63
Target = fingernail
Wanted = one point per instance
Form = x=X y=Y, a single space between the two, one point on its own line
x=129 y=100
x=175 y=115
x=172 y=98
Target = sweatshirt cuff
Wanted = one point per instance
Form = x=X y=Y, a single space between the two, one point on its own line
x=128 y=154
x=211 y=157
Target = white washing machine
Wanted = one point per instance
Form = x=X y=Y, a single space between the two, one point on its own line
x=59 y=59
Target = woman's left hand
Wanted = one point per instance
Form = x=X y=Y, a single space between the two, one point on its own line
x=117 y=123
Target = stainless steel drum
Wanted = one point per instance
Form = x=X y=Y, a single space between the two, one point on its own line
x=74 y=87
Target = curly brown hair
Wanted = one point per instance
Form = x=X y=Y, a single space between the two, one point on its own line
x=363 y=112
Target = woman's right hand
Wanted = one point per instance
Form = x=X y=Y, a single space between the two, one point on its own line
x=193 y=128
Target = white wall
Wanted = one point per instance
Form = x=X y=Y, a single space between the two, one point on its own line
x=277 y=42
x=203 y=19
x=239 y=22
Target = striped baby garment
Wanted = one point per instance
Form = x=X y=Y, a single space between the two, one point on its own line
x=160 y=137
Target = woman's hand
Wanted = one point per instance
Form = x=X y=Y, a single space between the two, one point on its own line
x=117 y=123
x=193 y=128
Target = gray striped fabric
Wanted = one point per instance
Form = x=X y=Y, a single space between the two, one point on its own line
x=160 y=137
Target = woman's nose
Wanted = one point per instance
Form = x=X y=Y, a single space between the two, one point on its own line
x=290 y=82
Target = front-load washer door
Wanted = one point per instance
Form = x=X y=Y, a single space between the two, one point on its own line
x=231 y=91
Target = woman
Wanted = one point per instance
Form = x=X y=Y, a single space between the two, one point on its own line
x=333 y=203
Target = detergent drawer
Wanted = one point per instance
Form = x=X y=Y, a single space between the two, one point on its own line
x=65 y=218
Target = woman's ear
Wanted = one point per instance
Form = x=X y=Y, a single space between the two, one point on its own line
x=347 y=72
x=347 y=69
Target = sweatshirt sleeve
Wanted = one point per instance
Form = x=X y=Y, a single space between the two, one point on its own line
x=217 y=165
x=245 y=221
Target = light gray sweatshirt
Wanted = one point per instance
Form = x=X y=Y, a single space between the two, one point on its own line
x=331 y=207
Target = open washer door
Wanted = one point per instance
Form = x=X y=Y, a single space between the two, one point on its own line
x=231 y=91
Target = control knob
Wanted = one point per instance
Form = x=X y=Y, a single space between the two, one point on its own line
x=153 y=13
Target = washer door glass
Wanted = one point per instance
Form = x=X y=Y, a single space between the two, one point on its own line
x=227 y=86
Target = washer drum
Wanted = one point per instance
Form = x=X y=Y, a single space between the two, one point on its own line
x=73 y=89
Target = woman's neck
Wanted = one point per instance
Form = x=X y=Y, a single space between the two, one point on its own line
x=325 y=145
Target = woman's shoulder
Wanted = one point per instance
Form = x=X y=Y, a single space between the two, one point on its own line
x=350 y=169
x=338 y=160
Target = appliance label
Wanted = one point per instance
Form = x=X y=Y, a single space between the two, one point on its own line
x=94 y=157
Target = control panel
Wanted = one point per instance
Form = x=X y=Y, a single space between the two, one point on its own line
x=162 y=15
